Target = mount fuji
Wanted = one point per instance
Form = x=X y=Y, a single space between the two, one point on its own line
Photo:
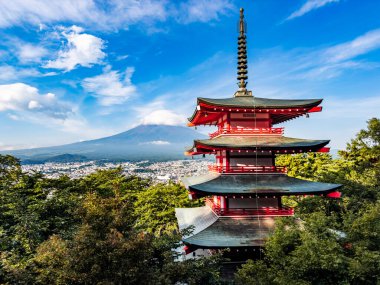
x=144 y=142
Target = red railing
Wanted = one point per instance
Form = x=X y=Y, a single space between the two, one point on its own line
x=262 y=211
x=248 y=131
x=247 y=169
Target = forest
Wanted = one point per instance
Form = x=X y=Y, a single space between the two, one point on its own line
x=106 y=228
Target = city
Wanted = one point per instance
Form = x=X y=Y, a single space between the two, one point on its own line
x=156 y=171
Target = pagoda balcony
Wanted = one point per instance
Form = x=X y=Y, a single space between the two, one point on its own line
x=247 y=169
x=248 y=131
x=262 y=211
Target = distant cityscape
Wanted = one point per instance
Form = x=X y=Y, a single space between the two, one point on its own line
x=156 y=171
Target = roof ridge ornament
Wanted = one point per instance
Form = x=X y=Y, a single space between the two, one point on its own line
x=242 y=72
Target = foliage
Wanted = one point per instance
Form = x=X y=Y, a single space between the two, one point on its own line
x=106 y=249
x=252 y=273
x=154 y=208
x=328 y=242
x=94 y=230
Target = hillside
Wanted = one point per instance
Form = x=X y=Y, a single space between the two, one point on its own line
x=152 y=142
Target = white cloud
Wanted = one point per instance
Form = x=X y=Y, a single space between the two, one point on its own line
x=5 y=147
x=111 y=87
x=19 y=12
x=22 y=102
x=332 y=61
x=10 y=73
x=108 y=15
x=162 y=117
x=80 y=50
x=318 y=63
x=309 y=6
x=122 y=57
x=158 y=113
x=203 y=10
x=28 y=53
x=23 y=99
x=156 y=142
x=361 y=45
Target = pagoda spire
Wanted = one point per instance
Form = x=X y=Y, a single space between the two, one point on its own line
x=242 y=72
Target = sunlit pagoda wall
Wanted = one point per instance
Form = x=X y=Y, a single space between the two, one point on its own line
x=236 y=158
x=244 y=120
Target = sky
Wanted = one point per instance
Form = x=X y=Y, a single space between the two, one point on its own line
x=73 y=70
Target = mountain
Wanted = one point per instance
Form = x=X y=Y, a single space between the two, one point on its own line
x=144 y=142
x=62 y=158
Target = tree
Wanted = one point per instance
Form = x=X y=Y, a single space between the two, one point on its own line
x=10 y=169
x=107 y=250
x=308 y=252
x=154 y=208
x=33 y=209
x=255 y=273
x=333 y=243
x=363 y=242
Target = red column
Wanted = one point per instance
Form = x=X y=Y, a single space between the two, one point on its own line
x=228 y=122
x=227 y=160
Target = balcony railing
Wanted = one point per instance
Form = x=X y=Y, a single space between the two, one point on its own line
x=248 y=131
x=247 y=169
x=262 y=211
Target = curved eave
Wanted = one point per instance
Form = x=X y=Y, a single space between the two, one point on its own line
x=260 y=184
x=257 y=102
x=275 y=144
x=233 y=233
x=214 y=108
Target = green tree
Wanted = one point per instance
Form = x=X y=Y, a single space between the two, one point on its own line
x=107 y=250
x=334 y=243
x=308 y=252
x=255 y=273
x=154 y=208
x=363 y=243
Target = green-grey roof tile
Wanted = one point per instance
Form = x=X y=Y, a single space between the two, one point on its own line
x=267 y=142
x=256 y=102
x=222 y=184
x=233 y=232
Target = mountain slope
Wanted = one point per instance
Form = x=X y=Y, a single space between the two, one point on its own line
x=153 y=142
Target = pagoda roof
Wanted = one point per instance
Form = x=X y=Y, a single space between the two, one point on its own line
x=274 y=143
x=224 y=232
x=281 y=109
x=252 y=184
x=260 y=103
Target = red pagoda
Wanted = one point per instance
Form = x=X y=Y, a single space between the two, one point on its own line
x=243 y=189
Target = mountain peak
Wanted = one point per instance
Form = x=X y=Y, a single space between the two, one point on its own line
x=153 y=142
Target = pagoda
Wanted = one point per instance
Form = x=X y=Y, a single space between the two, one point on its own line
x=243 y=189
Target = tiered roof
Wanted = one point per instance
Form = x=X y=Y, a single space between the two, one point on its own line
x=209 y=110
x=251 y=102
x=277 y=144
x=258 y=184
x=212 y=231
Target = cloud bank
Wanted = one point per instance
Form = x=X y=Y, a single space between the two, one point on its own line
x=21 y=97
x=81 y=49
x=309 y=6
x=108 y=15
x=111 y=87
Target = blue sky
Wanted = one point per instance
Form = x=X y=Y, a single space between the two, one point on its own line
x=73 y=70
